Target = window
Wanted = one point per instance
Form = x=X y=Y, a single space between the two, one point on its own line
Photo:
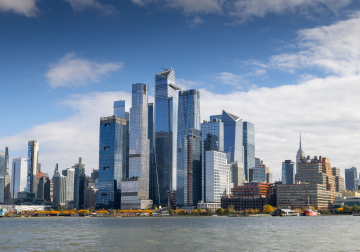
x=106 y=124
x=107 y=148
x=106 y=168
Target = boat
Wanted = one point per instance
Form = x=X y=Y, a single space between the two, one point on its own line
x=284 y=212
x=309 y=211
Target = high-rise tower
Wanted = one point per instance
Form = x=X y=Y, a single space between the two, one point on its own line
x=188 y=124
x=249 y=147
x=233 y=136
x=166 y=110
x=299 y=156
x=33 y=150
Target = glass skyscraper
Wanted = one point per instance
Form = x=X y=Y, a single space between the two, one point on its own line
x=249 y=147
x=33 y=149
x=350 y=179
x=166 y=110
x=79 y=184
x=112 y=160
x=18 y=176
x=2 y=175
x=212 y=134
x=188 y=118
x=288 y=174
x=233 y=136
x=152 y=171
x=119 y=110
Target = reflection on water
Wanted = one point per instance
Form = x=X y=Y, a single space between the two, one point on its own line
x=322 y=233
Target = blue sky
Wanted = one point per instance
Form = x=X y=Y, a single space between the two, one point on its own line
x=286 y=65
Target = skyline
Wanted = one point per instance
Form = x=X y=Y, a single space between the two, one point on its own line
x=290 y=69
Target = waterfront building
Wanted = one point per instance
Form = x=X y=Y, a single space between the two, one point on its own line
x=69 y=174
x=7 y=189
x=112 y=160
x=18 y=176
x=135 y=189
x=32 y=171
x=166 y=110
x=212 y=134
x=119 y=110
x=44 y=189
x=339 y=181
x=90 y=197
x=249 y=147
x=213 y=206
x=238 y=174
x=188 y=120
x=288 y=176
x=153 y=182
x=300 y=155
x=217 y=184
x=314 y=180
x=2 y=176
x=79 y=184
x=260 y=173
x=350 y=179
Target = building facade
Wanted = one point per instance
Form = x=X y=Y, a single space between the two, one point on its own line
x=249 y=147
x=166 y=110
x=112 y=160
x=233 y=136
x=350 y=179
x=288 y=176
x=188 y=119
x=33 y=153
x=2 y=176
x=79 y=184
x=300 y=155
x=18 y=176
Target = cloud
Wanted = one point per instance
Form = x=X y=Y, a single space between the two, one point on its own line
x=186 y=84
x=229 y=79
x=334 y=49
x=81 y=5
x=188 y=6
x=248 y=9
x=73 y=71
x=27 y=8
x=195 y=21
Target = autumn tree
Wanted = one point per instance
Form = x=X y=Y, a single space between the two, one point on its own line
x=267 y=209
x=346 y=209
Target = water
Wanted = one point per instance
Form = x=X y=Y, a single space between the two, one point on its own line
x=322 y=233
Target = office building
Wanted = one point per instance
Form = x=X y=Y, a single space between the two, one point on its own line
x=119 y=111
x=18 y=176
x=238 y=174
x=79 y=184
x=69 y=175
x=7 y=189
x=2 y=176
x=166 y=111
x=153 y=182
x=350 y=179
x=44 y=189
x=260 y=173
x=188 y=119
x=339 y=181
x=112 y=160
x=33 y=149
x=249 y=147
x=288 y=176
x=217 y=183
x=135 y=189
x=212 y=134
x=59 y=187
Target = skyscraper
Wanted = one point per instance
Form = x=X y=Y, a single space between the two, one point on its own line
x=166 y=110
x=7 y=189
x=350 y=177
x=2 y=175
x=119 y=110
x=135 y=189
x=233 y=135
x=59 y=187
x=69 y=175
x=188 y=119
x=79 y=184
x=152 y=168
x=288 y=176
x=18 y=176
x=212 y=139
x=33 y=149
x=249 y=147
x=112 y=159
x=299 y=156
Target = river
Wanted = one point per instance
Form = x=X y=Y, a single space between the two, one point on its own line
x=321 y=233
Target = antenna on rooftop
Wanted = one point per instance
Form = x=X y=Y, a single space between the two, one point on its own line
x=165 y=69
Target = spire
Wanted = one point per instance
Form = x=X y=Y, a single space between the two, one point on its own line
x=56 y=169
x=300 y=141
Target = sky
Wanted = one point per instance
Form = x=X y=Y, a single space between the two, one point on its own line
x=288 y=66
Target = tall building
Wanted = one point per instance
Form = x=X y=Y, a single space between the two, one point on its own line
x=166 y=110
x=69 y=175
x=188 y=120
x=217 y=176
x=119 y=110
x=233 y=136
x=249 y=147
x=339 y=181
x=288 y=176
x=112 y=160
x=44 y=189
x=79 y=184
x=59 y=187
x=350 y=179
x=238 y=174
x=18 y=176
x=299 y=156
x=7 y=189
x=135 y=189
x=2 y=176
x=33 y=149
x=153 y=185
x=260 y=173
x=212 y=134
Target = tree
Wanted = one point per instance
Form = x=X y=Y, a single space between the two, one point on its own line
x=355 y=209
x=61 y=208
x=227 y=211
x=346 y=209
x=219 y=211
x=267 y=209
x=92 y=209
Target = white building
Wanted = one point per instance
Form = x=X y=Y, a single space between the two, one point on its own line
x=217 y=176
x=18 y=176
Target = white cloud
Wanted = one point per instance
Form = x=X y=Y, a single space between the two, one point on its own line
x=22 y=7
x=188 y=6
x=229 y=79
x=74 y=71
x=195 y=21
x=334 y=48
x=186 y=84
x=247 y=9
x=81 y=5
